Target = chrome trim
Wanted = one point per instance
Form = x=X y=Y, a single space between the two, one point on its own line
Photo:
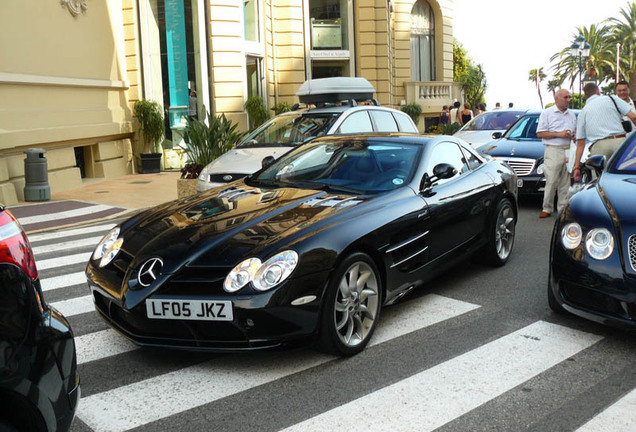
x=631 y=248
x=409 y=257
x=406 y=242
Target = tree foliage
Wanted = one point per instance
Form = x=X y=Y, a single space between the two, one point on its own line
x=537 y=76
x=471 y=75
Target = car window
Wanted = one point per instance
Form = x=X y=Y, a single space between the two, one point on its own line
x=357 y=122
x=471 y=159
x=626 y=162
x=493 y=120
x=290 y=129
x=383 y=121
x=450 y=153
x=524 y=129
x=404 y=122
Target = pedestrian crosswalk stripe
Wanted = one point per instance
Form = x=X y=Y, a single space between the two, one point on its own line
x=118 y=409
x=63 y=260
x=436 y=396
x=63 y=281
x=63 y=246
x=618 y=417
x=101 y=344
x=64 y=214
x=35 y=238
x=75 y=306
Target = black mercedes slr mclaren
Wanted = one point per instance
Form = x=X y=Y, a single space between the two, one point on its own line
x=309 y=248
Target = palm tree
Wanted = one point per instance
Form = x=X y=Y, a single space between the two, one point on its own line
x=624 y=31
x=554 y=84
x=536 y=76
x=599 y=65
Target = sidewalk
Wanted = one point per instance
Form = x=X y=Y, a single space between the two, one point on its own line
x=99 y=200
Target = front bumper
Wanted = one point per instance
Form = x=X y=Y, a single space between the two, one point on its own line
x=598 y=291
x=530 y=185
x=260 y=320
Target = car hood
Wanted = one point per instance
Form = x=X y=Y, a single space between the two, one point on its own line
x=244 y=160
x=614 y=189
x=476 y=138
x=532 y=149
x=222 y=226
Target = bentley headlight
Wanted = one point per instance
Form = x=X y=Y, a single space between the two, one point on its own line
x=241 y=275
x=571 y=235
x=106 y=244
x=541 y=169
x=263 y=276
x=599 y=243
x=275 y=270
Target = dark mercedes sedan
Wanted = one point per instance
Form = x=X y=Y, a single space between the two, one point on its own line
x=520 y=148
x=593 y=252
x=309 y=248
x=39 y=383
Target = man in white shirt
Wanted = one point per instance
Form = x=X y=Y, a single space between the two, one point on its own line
x=600 y=123
x=556 y=128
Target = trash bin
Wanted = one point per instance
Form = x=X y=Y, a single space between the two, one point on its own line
x=36 y=187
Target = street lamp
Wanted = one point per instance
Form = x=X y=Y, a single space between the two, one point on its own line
x=580 y=49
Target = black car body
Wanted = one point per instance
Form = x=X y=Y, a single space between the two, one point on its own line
x=593 y=252
x=389 y=211
x=39 y=383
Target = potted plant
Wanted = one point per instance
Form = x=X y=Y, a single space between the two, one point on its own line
x=414 y=111
x=149 y=114
x=205 y=141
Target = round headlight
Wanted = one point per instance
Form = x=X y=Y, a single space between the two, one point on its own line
x=241 y=275
x=111 y=253
x=275 y=270
x=106 y=244
x=599 y=243
x=571 y=235
x=541 y=169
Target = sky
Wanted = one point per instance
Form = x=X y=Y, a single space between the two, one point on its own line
x=511 y=37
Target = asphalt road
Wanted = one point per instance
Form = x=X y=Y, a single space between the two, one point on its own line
x=476 y=349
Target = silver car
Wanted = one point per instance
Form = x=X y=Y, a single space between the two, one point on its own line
x=288 y=130
x=480 y=130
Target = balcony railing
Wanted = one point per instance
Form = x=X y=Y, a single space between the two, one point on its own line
x=433 y=95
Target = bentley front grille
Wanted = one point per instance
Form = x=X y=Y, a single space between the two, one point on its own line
x=632 y=251
x=521 y=166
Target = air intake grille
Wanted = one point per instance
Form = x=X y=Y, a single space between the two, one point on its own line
x=521 y=166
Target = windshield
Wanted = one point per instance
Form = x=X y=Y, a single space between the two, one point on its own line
x=493 y=120
x=525 y=129
x=290 y=130
x=353 y=166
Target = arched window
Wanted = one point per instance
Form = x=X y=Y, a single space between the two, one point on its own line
x=422 y=42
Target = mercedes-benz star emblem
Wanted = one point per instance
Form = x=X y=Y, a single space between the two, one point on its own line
x=227 y=177
x=149 y=271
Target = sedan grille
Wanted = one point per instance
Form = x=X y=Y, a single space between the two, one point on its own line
x=521 y=166
x=225 y=178
x=632 y=251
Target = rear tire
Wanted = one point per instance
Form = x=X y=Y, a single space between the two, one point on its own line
x=351 y=306
x=501 y=237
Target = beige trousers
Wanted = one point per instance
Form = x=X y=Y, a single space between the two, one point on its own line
x=606 y=147
x=557 y=178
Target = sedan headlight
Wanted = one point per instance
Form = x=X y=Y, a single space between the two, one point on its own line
x=571 y=235
x=204 y=175
x=541 y=168
x=108 y=248
x=263 y=276
x=599 y=243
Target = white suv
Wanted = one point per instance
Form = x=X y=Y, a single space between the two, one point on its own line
x=337 y=112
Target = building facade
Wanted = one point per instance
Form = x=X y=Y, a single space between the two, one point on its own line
x=71 y=70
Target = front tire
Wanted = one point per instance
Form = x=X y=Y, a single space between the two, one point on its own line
x=351 y=307
x=501 y=237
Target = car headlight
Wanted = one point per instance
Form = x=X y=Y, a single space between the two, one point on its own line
x=599 y=243
x=263 y=276
x=108 y=248
x=571 y=235
x=204 y=175
x=541 y=168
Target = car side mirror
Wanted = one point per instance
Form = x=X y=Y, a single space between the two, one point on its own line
x=597 y=163
x=440 y=172
x=496 y=135
x=267 y=161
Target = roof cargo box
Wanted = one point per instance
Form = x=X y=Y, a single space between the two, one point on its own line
x=335 y=90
